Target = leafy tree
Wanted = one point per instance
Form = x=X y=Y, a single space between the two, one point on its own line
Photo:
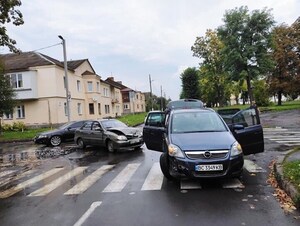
x=209 y=49
x=9 y=14
x=285 y=79
x=261 y=94
x=190 y=83
x=247 y=42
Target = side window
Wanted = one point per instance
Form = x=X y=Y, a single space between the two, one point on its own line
x=96 y=126
x=246 y=118
x=155 y=119
x=87 y=126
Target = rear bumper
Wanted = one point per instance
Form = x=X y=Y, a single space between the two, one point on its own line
x=232 y=167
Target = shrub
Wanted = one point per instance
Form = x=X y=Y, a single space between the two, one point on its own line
x=19 y=126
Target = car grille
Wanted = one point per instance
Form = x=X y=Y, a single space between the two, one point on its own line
x=129 y=137
x=211 y=154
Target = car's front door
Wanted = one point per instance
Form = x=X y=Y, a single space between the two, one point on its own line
x=153 y=131
x=96 y=135
x=248 y=131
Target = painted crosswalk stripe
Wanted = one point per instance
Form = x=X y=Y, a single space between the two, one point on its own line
x=86 y=215
x=189 y=184
x=286 y=139
x=122 y=179
x=23 y=185
x=17 y=177
x=58 y=182
x=5 y=173
x=89 y=180
x=233 y=183
x=251 y=167
x=154 y=179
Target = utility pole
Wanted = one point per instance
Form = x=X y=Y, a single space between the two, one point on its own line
x=161 y=99
x=151 y=92
x=68 y=95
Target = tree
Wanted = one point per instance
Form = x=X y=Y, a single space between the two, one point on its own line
x=247 y=43
x=209 y=48
x=9 y=14
x=285 y=79
x=190 y=83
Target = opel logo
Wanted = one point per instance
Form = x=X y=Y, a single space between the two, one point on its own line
x=207 y=154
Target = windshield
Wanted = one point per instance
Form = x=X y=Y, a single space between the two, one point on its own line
x=192 y=122
x=64 y=126
x=112 y=124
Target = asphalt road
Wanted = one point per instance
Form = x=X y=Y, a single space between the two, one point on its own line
x=67 y=186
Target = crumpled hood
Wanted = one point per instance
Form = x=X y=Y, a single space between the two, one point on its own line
x=203 y=141
x=127 y=131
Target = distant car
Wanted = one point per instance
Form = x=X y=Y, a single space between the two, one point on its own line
x=110 y=133
x=62 y=134
x=197 y=143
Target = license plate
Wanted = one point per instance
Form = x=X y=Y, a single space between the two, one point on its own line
x=215 y=167
x=133 y=141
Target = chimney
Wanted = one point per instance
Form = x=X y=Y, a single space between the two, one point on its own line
x=111 y=78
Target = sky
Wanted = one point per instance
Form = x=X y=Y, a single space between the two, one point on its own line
x=131 y=39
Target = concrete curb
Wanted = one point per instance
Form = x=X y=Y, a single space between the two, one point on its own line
x=284 y=184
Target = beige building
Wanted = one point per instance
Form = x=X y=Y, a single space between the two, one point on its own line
x=39 y=82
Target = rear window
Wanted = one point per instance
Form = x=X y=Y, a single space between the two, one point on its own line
x=192 y=122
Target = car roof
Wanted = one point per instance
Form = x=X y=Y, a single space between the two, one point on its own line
x=193 y=110
x=184 y=104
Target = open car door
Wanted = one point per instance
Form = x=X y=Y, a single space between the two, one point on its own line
x=154 y=130
x=248 y=131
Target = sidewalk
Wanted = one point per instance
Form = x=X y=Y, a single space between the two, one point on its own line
x=289 y=188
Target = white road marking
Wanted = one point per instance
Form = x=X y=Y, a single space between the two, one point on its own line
x=251 y=167
x=89 y=181
x=17 y=177
x=123 y=177
x=5 y=173
x=233 y=183
x=287 y=141
x=154 y=179
x=190 y=184
x=86 y=215
x=56 y=183
x=295 y=144
x=23 y=185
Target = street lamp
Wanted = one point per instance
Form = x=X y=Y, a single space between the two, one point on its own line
x=68 y=95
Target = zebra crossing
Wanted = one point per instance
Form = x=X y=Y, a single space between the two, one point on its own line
x=283 y=136
x=152 y=182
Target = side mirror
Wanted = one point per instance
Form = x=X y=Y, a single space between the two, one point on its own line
x=238 y=127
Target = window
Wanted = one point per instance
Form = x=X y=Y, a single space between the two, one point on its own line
x=16 y=80
x=90 y=86
x=126 y=106
x=99 y=108
x=21 y=111
x=105 y=92
x=98 y=87
x=78 y=86
x=106 y=109
x=91 y=109
x=8 y=116
x=137 y=106
x=137 y=96
x=79 y=108
x=65 y=109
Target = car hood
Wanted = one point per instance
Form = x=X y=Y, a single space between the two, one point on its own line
x=203 y=140
x=51 y=132
x=127 y=131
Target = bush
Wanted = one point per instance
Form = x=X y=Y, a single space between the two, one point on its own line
x=16 y=126
x=260 y=93
x=7 y=127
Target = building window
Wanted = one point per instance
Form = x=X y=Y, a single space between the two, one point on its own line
x=16 y=80
x=8 y=116
x=90 y=86
x=98 y=86
x=91 y=109
x=137 y=106
x=126 y=106
x=105 y=92
x=78 y=86
x=106 y=109
x=79 y=108
x=99 y=108
x=137 y=96
x=21 y=111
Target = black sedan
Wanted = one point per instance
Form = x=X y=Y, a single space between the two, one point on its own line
x=56 y=137
x=109 y=133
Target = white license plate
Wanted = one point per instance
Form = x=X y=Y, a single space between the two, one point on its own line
x=215 y=167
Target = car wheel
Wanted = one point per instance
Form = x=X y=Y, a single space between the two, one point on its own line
x=55 y=140
x=110 y=146
x=80 y=143
x=164 y=166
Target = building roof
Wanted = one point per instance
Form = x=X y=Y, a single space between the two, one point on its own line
x=112 y=82
x=73 y=64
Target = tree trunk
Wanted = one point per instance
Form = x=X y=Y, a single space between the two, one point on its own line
x=250 y=93
x=279 y=98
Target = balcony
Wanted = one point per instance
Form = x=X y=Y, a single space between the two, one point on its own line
x=114 y=101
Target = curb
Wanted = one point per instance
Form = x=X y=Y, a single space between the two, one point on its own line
x=288 y=187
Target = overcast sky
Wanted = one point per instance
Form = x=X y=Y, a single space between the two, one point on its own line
x=130 y=39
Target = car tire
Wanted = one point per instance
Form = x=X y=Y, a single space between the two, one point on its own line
x=80 y=143
x=55 y=140
x=110 y=146
x=164 y=166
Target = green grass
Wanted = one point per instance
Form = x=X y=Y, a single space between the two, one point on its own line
x=133 y=119
x=291 y=171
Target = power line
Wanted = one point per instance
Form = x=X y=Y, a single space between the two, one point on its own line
x=46 y=47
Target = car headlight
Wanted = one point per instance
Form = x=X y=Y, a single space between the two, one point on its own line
x=175 y=151
x=42 y=136
x=121 y=137
x=236 y=149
